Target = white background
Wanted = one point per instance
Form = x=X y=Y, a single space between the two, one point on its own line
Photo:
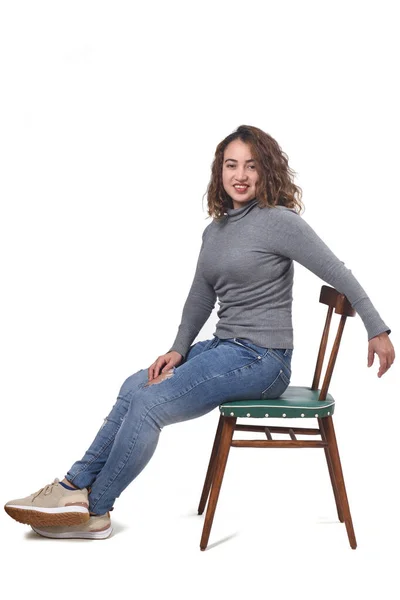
x=110 y=115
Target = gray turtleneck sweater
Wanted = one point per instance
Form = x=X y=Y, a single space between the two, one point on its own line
x=246 y=261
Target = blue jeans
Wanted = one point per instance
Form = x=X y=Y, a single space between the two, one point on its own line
x=213 y=372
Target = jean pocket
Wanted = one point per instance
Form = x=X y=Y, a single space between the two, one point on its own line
x=277 y=387
x=256 y=350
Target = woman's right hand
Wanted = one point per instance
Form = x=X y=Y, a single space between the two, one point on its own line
x=164 y=363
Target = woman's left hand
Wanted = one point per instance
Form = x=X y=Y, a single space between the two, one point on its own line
x=383 y=347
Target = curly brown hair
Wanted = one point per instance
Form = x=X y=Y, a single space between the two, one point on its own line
x=275 y=178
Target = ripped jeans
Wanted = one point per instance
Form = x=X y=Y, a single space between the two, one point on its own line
x=213 y=372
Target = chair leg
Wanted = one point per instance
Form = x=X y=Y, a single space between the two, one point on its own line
x=211 y=467
x=331 y=472
x=228 y=427
x=339 y=479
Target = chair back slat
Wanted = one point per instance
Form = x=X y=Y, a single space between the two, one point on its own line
x=342 y=306
x=332 y=359
x=322 y=349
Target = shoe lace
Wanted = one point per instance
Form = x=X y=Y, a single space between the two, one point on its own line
x=47 y=489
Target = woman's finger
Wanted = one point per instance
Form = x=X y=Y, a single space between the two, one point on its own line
x=383 y=365
x=159 y=363
x=151 y=371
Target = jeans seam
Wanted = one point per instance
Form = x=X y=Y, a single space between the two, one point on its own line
x=88 y=463
x=275 y=355
x=280 y=375
x=128 y=455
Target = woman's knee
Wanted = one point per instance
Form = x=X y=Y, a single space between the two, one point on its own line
x=133 y=382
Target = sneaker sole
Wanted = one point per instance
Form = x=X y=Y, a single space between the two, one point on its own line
x=85 y=535
x=69 y=515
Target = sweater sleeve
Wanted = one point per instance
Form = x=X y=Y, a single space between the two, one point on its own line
x=293 y=237
x=197 y=308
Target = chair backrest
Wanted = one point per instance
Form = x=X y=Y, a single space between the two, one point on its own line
x=342 y=306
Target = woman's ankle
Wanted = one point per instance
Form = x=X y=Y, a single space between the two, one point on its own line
x=65 y=480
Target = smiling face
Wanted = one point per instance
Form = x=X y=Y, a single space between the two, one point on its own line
x=239 y=174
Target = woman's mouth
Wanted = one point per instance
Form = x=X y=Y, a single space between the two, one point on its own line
x=241 y=189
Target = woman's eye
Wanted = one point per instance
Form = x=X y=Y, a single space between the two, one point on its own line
x=231 y=165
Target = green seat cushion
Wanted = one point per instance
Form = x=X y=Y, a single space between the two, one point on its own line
x=295 y=402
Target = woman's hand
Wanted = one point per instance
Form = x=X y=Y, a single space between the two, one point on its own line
x=383 y=347
x=164 y=362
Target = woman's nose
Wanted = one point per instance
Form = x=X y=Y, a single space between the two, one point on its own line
x=241 y=174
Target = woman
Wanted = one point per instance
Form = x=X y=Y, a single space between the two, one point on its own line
x=256 y=233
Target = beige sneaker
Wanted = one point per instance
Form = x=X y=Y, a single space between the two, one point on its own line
x=96 y=528
x=51 y=505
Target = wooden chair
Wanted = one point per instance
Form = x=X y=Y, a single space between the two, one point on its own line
x=295 y=402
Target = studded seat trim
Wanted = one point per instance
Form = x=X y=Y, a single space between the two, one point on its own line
x=295 y=402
